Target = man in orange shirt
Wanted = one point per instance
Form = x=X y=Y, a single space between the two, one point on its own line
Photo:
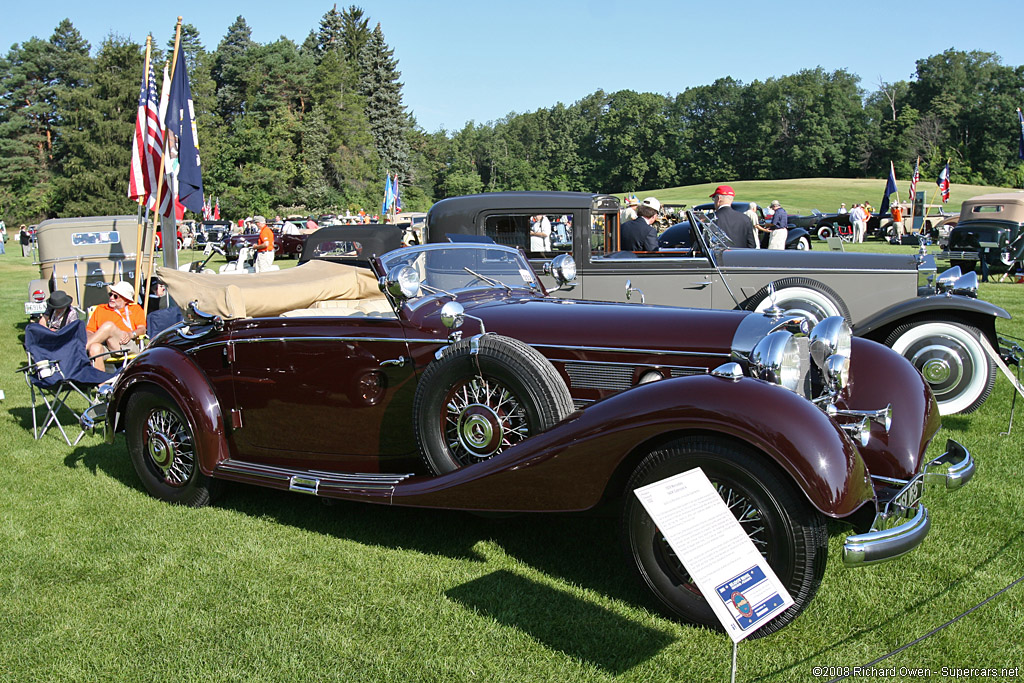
x=897 y=219
x=116 y=324
x=265 y=245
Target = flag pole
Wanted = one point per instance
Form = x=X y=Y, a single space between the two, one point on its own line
x=913 y=200
x=160 y=181
x=140 y=224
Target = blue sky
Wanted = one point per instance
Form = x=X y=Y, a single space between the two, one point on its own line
x=479 y=61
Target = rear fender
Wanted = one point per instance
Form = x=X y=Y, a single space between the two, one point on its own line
x=173 y=372
x=569 y=467
x=980 y=314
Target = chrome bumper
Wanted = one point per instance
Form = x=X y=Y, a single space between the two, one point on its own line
x=903 y=523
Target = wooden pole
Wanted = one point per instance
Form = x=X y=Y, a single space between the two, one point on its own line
x=160 y=180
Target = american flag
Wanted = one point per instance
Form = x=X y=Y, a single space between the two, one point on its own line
x=147 y=145
x=943 y=183
x=914 y=179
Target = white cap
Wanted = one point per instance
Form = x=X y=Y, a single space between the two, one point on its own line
x=653 y=203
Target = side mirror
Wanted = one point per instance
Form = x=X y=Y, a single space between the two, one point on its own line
x=452 y=315
x=402 y=283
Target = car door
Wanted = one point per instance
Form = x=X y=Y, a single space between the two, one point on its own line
x=326 y=392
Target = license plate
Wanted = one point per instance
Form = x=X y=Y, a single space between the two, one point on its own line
x=911 y=494
x=33 y=307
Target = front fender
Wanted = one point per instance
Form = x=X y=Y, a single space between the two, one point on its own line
x=981 y=314
x=570 y=466
x=173 y=372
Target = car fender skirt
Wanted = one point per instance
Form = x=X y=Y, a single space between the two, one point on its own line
x=569 y=467
x=173 y=372
x=981 y=314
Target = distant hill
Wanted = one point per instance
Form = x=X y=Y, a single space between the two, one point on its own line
x=800 y=195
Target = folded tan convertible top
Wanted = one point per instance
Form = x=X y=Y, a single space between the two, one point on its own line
x=270 y=294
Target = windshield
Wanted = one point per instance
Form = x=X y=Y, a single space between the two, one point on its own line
x=448 y=268
x=713 y=235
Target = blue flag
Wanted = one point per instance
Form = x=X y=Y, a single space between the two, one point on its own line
x=890 y=188
x=183 y=141
x=388 y=195
x=397 y=191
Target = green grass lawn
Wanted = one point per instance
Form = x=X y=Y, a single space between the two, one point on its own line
x=99 y=581
x=799 y=195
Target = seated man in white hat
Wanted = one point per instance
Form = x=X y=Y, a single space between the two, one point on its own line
x=115 y=325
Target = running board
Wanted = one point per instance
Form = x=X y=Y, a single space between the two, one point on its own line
x=313 y=482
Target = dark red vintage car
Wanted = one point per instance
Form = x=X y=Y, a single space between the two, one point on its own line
x=464 y=386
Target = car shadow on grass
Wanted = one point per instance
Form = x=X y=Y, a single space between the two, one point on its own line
x=553 y=618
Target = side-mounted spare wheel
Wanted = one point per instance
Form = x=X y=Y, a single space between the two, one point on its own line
x=783 y=526
x=800 y=296
x=470 y=406
x=161 y=442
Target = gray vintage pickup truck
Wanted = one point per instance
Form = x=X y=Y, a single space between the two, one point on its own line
x=935 y=322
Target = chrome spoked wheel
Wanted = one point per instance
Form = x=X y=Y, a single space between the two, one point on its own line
x=169 y=447
x=482 y=418
x=746 y=512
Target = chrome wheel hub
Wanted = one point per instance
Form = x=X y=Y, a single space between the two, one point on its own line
x=482 y=418
x=939 y=364
x=169 y=447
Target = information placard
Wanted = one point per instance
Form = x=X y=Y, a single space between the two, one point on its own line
x=737 y=582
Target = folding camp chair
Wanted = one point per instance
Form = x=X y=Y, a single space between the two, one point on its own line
x=159 y=320
x=58 y=368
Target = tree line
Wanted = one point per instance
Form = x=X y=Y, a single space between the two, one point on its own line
x=313 y=127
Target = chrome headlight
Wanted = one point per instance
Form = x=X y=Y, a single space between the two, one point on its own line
x=945 y=281
x=837 y=372
x=402 y=283
x=776 y=359
x=832 y=336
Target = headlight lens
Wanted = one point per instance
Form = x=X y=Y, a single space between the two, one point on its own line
x=832 y=336
x=776 y=358
x=837 y=372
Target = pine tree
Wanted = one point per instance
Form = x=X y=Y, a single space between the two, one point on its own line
x=385 y=113
x=230 y=70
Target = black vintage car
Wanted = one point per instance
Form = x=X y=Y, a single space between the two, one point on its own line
x=886 y=297
x=799 y=236
x=992 y=224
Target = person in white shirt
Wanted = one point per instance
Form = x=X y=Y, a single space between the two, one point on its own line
x=540 y=234
x=859 y=221
x=842 y=208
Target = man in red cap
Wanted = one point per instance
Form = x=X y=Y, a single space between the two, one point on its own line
x=734 y=223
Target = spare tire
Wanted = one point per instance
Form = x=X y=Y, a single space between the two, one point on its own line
x=470 y=406
x=801 y=295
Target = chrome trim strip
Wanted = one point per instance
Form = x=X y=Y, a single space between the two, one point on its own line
x=283 y=475
x=260 y=340
x=694 y=368
x=612 y=349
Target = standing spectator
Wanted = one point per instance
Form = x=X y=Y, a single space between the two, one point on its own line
x=842 y=208
x=629 y=213
x=779 y=225
x=858 y=220
x=897 y=220
x=59 y=311
x=3 y=230
x=26 y=241
x=755 y=220
x=639 y=234
x=540 y=234
x=265 y=245
x=115 y=325
x=734 y=223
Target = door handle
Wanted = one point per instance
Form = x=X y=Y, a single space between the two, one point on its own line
x=397 y=362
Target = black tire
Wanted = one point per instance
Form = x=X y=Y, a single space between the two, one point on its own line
x=824 y=232
x=965 y=266
x=790 y=534
x=163 y=449
x=950 y=357
x=468 y=408
x=808 y=297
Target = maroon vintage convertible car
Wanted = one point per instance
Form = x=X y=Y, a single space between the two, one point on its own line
x=464 y=386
